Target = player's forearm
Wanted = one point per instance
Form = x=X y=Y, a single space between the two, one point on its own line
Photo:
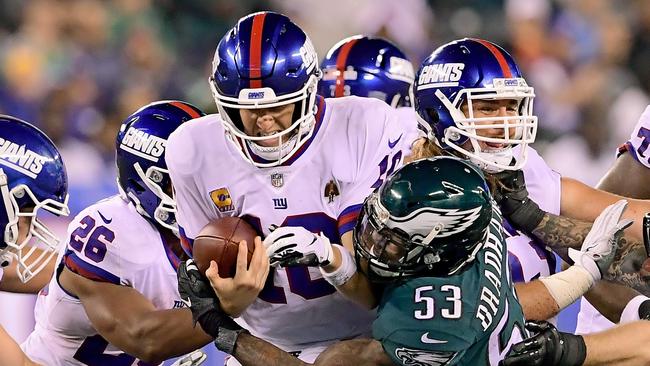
x=252 y=351
x=357 y=287
x=627 y=267
x=158 y=335
x=354 y=352
x=359 y=290
x=10 y=353
x=610 y=299
x=561 y=233
x=606 y=348
x=536 y=302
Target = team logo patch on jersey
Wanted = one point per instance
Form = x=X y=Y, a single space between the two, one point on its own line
x=416 y=357
x=221 y=198
x=331 y=191
x=277 y=180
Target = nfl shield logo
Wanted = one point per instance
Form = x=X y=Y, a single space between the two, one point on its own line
x=276 y=180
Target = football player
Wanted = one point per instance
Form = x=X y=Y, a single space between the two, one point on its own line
x=114 y=298
x=32 y=177
x=277 y=154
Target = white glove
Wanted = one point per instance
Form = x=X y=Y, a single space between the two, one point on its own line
x=295 y=245
x=599 y=247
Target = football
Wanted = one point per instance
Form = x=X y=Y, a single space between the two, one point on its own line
x=219 y=241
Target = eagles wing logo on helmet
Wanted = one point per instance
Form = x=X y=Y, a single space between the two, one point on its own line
x=415 y=357
x=453 y=221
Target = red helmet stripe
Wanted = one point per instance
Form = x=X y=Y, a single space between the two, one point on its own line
x=498 y=55
x=186 y=108
x=341 y=63
x=255 y=61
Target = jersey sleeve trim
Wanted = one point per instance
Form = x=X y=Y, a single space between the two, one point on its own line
x=186 y=242
x=87 y=270
x=627 y=147
x=348 y=218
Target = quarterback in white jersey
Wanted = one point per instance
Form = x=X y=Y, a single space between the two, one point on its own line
x=278 y=154
x=356 y=143
x=111 y=299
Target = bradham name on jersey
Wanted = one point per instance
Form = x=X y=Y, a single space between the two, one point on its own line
x=491 y=293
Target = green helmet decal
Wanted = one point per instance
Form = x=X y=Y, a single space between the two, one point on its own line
x=430 y=217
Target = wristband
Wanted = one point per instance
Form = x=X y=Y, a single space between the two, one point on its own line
x=227 y=334
x=574 y=351
x=346 y=270
x=569 y=285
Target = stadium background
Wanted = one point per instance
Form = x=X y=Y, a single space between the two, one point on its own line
x=76 y=68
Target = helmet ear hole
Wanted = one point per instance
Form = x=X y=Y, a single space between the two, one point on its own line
x=433 y=115
x=138 y=188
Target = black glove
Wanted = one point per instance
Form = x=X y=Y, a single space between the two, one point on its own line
x=548 y=347
x=512 y=196
x=196 y=292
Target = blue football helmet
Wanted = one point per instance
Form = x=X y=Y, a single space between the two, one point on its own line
x=143 y=177
x=461 y=72
x=266 y=61
x=32 y=176
x=367 y=67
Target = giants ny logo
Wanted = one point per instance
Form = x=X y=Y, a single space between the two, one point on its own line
x=20 y=158
x=280 y=203
x=142 y=144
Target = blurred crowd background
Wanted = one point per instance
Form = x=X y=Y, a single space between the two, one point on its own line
x=76 y=68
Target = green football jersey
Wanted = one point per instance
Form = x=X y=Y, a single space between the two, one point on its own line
x=470 y=318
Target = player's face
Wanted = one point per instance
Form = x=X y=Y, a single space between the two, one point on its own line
x=24 y=223
x=492 y=108
x=267 y=122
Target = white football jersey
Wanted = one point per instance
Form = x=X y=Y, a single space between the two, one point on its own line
x=589 y=319
x=108 y=242
x=356 y=143
x=529 y=259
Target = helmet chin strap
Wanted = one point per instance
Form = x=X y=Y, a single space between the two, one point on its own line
x=503 y=158
x=274 y=152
